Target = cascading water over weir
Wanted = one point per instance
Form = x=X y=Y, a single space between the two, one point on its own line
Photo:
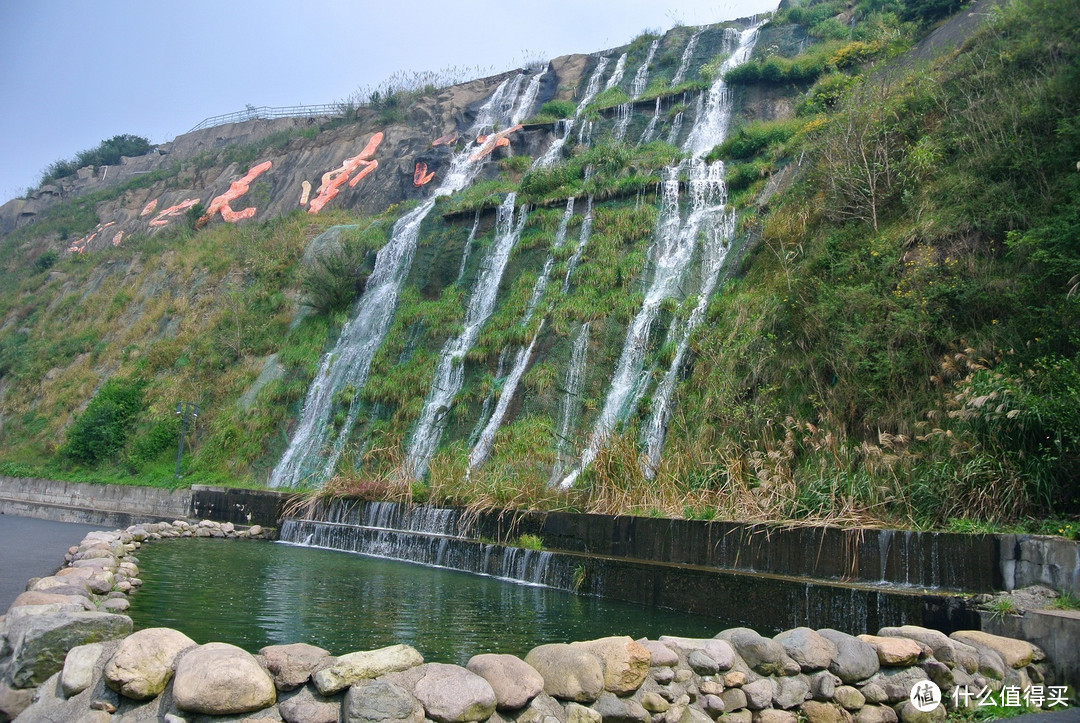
x=316 y=445
x=729 y=570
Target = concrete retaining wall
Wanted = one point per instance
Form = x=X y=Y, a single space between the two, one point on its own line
x=124 y=505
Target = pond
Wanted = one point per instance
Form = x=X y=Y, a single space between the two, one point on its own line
x=254 y=594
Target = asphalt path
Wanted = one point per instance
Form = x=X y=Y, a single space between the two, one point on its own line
x=32 y=548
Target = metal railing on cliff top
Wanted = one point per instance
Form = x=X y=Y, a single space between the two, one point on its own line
x=263 y=112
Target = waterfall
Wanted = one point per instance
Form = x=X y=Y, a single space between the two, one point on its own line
x=541 y=283
x=617 y=74
x=316 y=444
x=673 y=248
x=489 y=398
x=468 y=247
x=676 y=129
x=650 y=129
x=712 y=128
x=482 y=447
x=583 y=240
x=717 y=237
x=524 y=105
x=592 y=88
x=688 y=52
x=450 y=369
x=423 y=535
x=573 y=387
x=641 y=80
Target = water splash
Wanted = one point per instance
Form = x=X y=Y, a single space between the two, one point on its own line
x=316 y=445
x=450 y=369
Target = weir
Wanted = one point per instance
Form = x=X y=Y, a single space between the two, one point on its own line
x=849 y=580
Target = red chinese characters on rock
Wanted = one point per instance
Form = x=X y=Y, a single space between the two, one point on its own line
x=148 y=208
x=333 y=180
x=443 y=141
x=236 y=190
x=79 y=245
x=163 y=218
x=421 y=175
x=490 y=143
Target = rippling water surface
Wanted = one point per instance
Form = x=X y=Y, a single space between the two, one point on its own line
x=254 y=594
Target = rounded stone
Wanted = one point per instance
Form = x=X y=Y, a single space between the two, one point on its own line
x=625 y=663
x=452 y=694
x=378 y=701
x=894 y=652
x=855 y=660
x=569 y=673
x=514 y=681
x=292 y=665
x=143 y=664
x=810 y=650
x=221 y=679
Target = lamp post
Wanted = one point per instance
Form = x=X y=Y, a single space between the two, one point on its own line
x=185 y=410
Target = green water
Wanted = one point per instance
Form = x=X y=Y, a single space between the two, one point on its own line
x=254 y=594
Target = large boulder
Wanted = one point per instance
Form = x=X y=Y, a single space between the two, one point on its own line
x=452 y=694
x=572 y=674
x=307 y=706
x=759 y=693
x=78 y=671
x=292 y=665
x=514 y=681
x=625 y=662
x=660 y=653
x=855 y=660
x=894 y=652
x=221 y=679
x=361 y=665
x=719 y=650
x=65 y=603
x=624 y=710
x=810 y=650
x=818 y=712
x=143 y=664
x=764 y=655
x=380 y=701
x=39 y=643
x=937 y=641
x=1015 y=653
x=791 y=691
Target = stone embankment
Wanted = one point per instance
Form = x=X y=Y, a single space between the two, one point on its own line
x=68 y=653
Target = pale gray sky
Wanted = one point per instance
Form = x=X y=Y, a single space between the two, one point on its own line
x=73 y=73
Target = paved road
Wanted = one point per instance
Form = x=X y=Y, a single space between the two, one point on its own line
x=32 y=548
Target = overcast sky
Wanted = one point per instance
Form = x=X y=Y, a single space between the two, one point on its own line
x=73 y=73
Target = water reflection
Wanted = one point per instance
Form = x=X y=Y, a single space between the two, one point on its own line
x=254 y=594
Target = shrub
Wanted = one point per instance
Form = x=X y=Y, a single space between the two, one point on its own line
x=554 y=110
x=45 y=261
x=108 y=153
x=103 y=428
